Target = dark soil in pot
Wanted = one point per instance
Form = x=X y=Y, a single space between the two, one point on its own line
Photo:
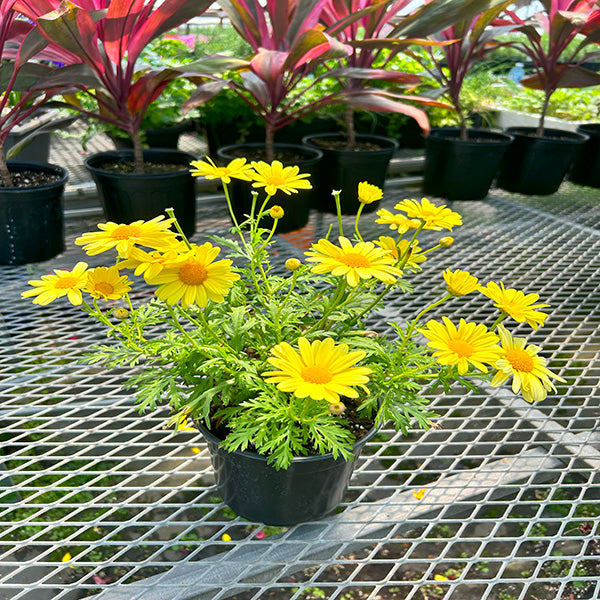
x=537 y=165
x=31 y=214
x=127 y=196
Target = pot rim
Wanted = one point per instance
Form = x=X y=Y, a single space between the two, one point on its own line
x=554 y=137
x=389 y=142
x=26 y=165
x=495 y=136
x=207 y=433
x=121 y=155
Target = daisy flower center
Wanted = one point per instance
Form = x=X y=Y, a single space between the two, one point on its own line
x=192 y=273
x=104 y=288
x=355 y=259
x=520 y=360
x=460 y=347
x=124 y=232
x=64 y=283
x=316 y=374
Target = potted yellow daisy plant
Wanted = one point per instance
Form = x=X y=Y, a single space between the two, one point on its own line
x=273 y=361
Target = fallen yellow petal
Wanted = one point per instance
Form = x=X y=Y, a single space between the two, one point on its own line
x=183 y=426
x=196 y=450
x=418 y=494
x=67 y=557
x=440 y=578
x=226 y=537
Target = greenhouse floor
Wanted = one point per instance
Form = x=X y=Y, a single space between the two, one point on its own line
x=500 y=503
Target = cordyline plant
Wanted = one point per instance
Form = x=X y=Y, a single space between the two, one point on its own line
x=278 y=359
x=288 y=47
x=377 y=32
x=108 y=37
x=24 y=80
x=467 y=43
x=570 y=28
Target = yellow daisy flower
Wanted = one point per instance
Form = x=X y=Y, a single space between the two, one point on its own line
x=152 y=263
x=236 y=168
x=396 y=221
x=274 y=177
x=62 y=283
x=460 y=283
x=519 y=306
x=528 y=370
x=435 y=217
x=362 y=261
x=399 y=249
x=107 y=283
x=368 y=193
x=195 y=278
x=321 y=370
x=153 y=234
x=467 y=344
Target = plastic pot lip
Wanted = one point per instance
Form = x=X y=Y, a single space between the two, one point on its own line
x=16 y=165
x=552 y=136
x=312 y=153
x=385 y=142
x=592 y=129
x=453 y=135
x=124 y=155
x=261 y=458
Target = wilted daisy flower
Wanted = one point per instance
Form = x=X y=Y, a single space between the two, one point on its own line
x=153 y=234
x=275 y=177
x=467 y=344
x=236 y=168
x=195 y=278
x=320 y=370
x=528 y=370
x=107 y=283
x=368 y=193
x=460 y=283
x=434 y=217
x=62 y=283
x=517 y=305
x=362 y=261
x=397 y=222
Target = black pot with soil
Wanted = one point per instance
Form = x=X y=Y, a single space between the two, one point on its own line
x=343 y=169
x=586 y=165
x=537 y=165
x=296 y=206
x=127 y=196
x=459 y=169
x=31 y=213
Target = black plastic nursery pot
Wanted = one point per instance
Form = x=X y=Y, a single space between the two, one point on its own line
x=128 y=197
x=343 y=169
x=537 y=165
x=311 y=488
x=459 y=169
x=586 y=165
x=32 y=219
x=296 y=206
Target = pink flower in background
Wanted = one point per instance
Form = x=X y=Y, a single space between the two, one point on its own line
x=190 y=40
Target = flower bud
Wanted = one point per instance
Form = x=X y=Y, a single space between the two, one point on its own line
x=276 y=212
x=120 y=313
x=337 y=408
x=446 y=242
x=291 y=264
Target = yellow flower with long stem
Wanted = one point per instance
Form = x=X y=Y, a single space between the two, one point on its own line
x=460 y=283
x=530 y=375
x=397 y=222
x=361 y=261
x=195 y=278
x=155 y=233
x=236 y=168
x=465 y=345
x=107 y=283
x=61 y=283
x=321 y=370
x=275 y=177
x=516 y=304
x=434 y=217
x=369 y=193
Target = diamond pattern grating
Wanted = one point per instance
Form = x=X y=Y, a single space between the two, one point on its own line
x=98 y=501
